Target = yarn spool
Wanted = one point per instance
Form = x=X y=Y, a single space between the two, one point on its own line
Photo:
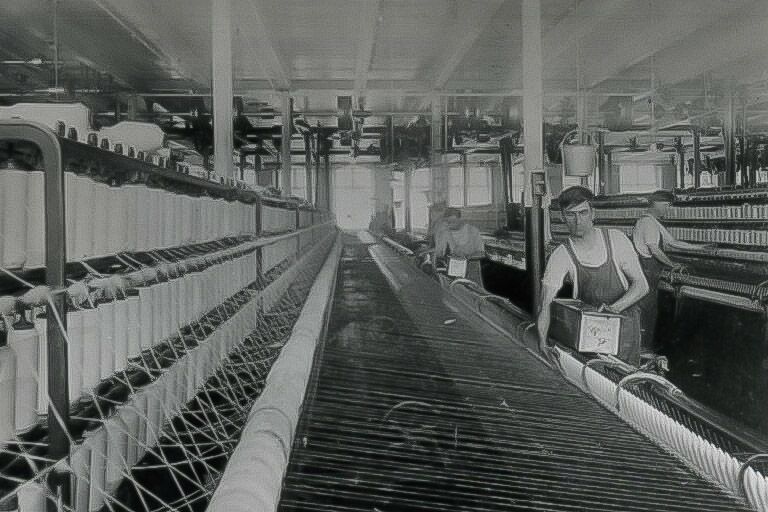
x=13 y=217
x=35 y=232
x=25 y=343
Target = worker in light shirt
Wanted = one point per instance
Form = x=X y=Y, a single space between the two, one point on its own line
x=650 y=238
x=457 y=238
x=602 y=265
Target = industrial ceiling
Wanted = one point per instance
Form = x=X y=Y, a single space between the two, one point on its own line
x=396 y=53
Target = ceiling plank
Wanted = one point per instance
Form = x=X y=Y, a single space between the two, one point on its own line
x=586 y=18
x=471 y=29
x=644 y=38
x=725 y=41
x=144 y=21
x=250 y=22
x=367 y=21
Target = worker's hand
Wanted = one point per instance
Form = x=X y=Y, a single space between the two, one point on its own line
x=607 y=308
x=677 y=267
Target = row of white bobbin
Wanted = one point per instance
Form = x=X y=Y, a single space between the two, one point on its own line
x=253 y=477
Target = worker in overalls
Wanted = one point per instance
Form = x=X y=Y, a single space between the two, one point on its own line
x=650 y=239
x=602 y=265
x=456 y=238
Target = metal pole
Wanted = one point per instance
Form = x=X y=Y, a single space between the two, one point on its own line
x=680 y=160
x=391 y=139
x=534 y=237
x=319 y=202
x=730 y=139
x=285 y=148
x=533 y=128
x=407 y=199
x=600 y=181
x=697 y=157
x=533 y=114
x=308 y=166
x=223 y=128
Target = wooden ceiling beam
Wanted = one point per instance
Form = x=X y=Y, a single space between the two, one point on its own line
x=251 y=25
x=642 y=38
x=724 y=41
x=471 y=29
x=140 y=18
x=367 y=21
x=584 y=20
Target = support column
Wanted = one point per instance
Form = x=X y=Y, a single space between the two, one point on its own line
x=407 y=199
x=729 y=133
x=533 y=131
x=308 y=166
x=285 y=149
x=328 y=180
x=438 y=170
x=221 y=28
x=696 y=157
x=600 y=181
x=680 y=148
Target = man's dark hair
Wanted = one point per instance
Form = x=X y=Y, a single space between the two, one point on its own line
x=660 y=196
x=452 y=212
x=573 y=196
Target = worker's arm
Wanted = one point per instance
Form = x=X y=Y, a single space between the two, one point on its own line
x=657 y=253
x=548 y=294
x=629 y=263
x=558 y=266
x=671 y=241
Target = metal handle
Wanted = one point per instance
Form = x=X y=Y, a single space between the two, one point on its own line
x=55 y=263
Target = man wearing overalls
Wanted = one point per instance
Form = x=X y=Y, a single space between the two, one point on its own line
x=602 y=265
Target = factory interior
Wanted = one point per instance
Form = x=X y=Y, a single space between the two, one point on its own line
x=383 y=255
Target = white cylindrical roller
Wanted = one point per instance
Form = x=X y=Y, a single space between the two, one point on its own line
x=159 y=314
x=91 y=353
x=131 y=193
x=143 y=222
x=155 y=218
x=129 y=418
x=13 y=217
x=82 y=210
x=75 y=353
x=70 y=199
x=106 y=345
x=7 y=394
x=117 y=452
x=80 y=462
x=35 y=205
x=24 y=342
x=187 y=220
x=96 y=441
x=31 y=497
x=99 y=219
x=120 y=330
x=146 y=316
x=117 y=216
x=133 y=305
x=169 y=214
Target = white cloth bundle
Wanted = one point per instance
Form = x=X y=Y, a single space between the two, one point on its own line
x=106 y=342
x=81 y=210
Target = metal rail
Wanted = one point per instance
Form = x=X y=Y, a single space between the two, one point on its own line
x=55 y=262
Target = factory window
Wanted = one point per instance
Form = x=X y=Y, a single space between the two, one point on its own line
x=470 y=186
